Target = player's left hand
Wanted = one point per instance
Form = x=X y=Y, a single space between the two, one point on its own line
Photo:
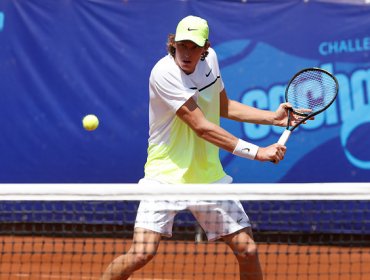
x=281 y=115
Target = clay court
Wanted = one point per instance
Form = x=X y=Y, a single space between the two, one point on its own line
x=39 y=258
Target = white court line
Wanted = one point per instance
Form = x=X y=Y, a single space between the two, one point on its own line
x=27 y=275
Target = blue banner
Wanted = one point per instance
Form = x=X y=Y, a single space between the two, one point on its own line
x=61 y=60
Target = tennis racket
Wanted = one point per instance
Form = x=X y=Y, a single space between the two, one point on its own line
x=310 y=92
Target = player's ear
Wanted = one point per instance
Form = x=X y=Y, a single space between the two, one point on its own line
x=205 y=50
x=206 y=45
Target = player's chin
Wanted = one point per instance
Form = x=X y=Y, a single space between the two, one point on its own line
x=187 y=67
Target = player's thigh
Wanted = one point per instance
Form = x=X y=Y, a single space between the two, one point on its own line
x=157 y=215
x=145 y=241
x=220 y=218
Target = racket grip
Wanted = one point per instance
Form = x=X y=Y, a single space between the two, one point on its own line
x=284 y=137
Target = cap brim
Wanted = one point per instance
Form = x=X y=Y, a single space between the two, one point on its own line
x=199 y=41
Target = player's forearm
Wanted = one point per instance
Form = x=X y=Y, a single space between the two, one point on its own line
x=244 y=113
x=225 y=140
x=217 y=136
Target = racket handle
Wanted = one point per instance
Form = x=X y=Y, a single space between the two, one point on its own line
x=284 y=137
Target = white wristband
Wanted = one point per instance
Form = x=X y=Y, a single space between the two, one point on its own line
x=245 y=149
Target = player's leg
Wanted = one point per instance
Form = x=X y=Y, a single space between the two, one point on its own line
x=143 y=249
x=245 y=250
x=227 y=220
x=154 y=219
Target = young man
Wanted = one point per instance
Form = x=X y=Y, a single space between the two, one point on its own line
x=187 y=99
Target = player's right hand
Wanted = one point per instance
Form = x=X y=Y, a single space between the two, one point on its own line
x=274 y=153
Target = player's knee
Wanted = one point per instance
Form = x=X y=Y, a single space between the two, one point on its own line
x=249 y=253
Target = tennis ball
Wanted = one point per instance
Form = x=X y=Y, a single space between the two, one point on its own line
x=90 y=122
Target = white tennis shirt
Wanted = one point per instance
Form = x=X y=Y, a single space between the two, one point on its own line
x=175 y=153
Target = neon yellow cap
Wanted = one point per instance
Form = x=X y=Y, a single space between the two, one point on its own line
x=194 y=29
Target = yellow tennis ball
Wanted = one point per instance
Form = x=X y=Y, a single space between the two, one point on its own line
x=90 y=122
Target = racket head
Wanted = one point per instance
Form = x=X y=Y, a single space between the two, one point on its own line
x=311 y=91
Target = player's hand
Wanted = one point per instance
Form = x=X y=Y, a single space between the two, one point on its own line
x=281 y=115
x=274 y=153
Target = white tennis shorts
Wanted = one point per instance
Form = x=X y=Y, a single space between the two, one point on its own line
x=217 y=218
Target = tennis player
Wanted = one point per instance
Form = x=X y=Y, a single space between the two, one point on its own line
x=187 y=99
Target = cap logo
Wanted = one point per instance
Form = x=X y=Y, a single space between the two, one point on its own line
x=192 y=29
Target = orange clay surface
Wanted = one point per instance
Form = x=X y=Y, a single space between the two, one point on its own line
x=40 y=258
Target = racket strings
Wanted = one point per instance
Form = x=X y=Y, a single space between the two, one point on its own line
x=311 y=91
